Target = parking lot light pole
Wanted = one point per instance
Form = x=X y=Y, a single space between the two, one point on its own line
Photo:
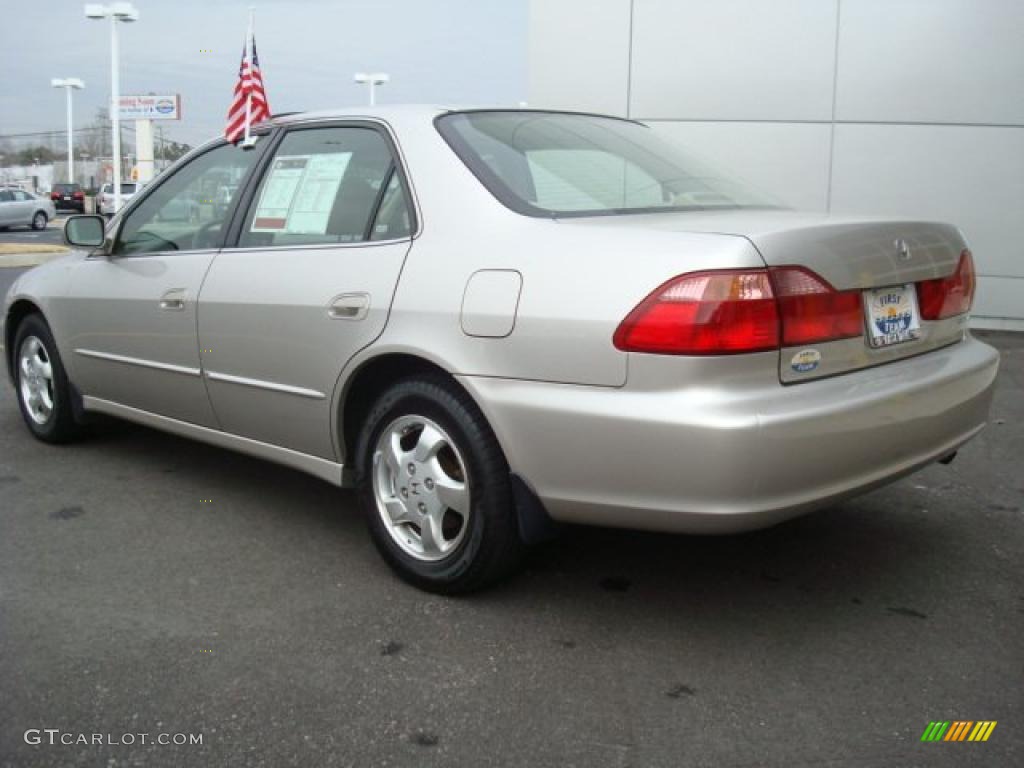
x=373 y=80
x=116 y=12
x=69 y=84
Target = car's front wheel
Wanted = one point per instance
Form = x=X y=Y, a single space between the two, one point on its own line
x=39 y=220
x=435 y=487
x=44 y=394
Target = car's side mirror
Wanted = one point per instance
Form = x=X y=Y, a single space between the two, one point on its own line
x=84 y=231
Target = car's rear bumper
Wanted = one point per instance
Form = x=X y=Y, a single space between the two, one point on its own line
x=735 y=455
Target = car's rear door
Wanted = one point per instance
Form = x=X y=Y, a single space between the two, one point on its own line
x=7 y=207
x=306 y=283
x=131 y=309
x=24 y=207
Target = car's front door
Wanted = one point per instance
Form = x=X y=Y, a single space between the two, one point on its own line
x=131 y=310
x=308 y=283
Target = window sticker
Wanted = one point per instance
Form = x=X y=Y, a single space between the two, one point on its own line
x=299 y=194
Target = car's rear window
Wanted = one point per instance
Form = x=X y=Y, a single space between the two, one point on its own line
x=127 y=189
x=564 y=164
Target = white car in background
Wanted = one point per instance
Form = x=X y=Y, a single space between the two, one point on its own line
x=105 y=201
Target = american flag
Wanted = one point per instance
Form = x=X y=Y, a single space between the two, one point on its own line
x=249 y=91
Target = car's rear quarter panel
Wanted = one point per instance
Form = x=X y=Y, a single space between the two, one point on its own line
x=577 y=284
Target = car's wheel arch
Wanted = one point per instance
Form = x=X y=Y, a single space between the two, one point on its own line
x=16 y=313
x=361 y=383
x=366 y=378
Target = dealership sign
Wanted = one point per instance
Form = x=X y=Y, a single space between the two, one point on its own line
x=151 y=107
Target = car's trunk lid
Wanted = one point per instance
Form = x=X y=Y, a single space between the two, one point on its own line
x=851 y=253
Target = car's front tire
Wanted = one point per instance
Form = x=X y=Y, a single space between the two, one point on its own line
x=435 y=488
x=39 y=221
x=44 y=394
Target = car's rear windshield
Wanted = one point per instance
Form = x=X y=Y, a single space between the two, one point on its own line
x=66 y=187
x=127 y=189
x=564 y=164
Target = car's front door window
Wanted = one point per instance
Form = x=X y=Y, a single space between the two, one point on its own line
x=187 y=211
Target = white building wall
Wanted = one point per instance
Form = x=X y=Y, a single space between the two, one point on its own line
x=893 y=107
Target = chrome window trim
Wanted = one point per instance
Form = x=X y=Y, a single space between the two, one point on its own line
x=97 y=255
x=315 y=246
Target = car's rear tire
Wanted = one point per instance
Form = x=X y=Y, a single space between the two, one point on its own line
x=44 y=394
x=39 y=220
x=435 y=488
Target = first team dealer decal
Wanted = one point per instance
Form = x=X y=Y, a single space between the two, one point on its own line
x=805 y=360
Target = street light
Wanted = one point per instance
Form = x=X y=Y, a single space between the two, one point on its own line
x=372 y=79
x=69 y=84
x=115 y=12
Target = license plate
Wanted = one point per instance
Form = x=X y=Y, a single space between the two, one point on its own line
x=66 y=197
x=892 y=315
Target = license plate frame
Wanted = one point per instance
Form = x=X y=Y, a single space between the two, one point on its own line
x=891 y=315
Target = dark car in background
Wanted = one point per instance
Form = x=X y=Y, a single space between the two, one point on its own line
x=70 y=196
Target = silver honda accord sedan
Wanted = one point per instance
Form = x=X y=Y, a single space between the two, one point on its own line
x=491 y=321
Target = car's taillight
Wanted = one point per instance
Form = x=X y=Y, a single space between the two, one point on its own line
x=704 y=313
x=948 y=296
x=79 y=195
x=812 y=310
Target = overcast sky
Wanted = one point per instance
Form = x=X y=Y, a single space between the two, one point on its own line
x=439 y=51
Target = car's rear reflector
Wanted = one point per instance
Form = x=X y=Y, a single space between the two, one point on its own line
x=948 y=296
x=704 y=313
x=812 y=311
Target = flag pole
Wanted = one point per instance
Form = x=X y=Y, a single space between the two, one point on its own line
x=248 y=53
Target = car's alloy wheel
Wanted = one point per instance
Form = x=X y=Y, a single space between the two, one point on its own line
x=435 y=487
x=39 y=220
x=35 y=380
x=44 y=394
x=421 y=488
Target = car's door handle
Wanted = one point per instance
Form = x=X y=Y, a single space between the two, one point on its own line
x=349 y=306
x=173 y=300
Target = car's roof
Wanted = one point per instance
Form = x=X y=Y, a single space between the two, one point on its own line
x=383 y=112
x=406 y=112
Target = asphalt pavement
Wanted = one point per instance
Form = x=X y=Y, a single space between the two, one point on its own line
x=52 y=235
x=153 y=585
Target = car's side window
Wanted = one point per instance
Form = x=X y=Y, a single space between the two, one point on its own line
x=6 y=196
x=188 y=210
x=392 y=220
x=22 y=196
x=328 y=185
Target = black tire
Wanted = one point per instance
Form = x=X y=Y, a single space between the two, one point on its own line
x=491 y=548
x=39 y=220
x=60 y=426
